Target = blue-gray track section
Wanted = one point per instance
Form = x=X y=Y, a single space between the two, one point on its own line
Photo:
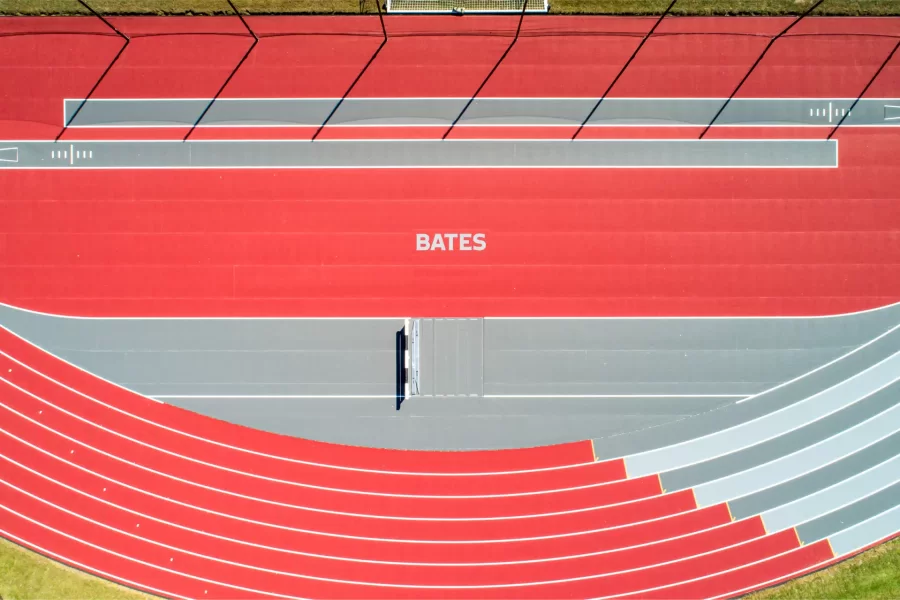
x=691 y=460
x=523 y=112
x=408 y=154
x=677 y=444
x=631 y=384
x=803 y=450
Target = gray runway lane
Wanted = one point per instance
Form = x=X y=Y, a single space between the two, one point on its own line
x=334 y=379
x=782 y=505
x=860 y=510
x=747 y=434
x=377 y=153
x=648 y=447
x=312 y=112
x=772 y=461
x=865 y=533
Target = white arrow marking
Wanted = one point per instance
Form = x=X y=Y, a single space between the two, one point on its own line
x=6 y=151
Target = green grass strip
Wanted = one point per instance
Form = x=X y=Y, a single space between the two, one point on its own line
x=872 y=575
x=597 y=7
x=25 y=575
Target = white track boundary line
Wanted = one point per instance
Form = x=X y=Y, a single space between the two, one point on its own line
x=571 y=125
x=486 y=318
x=798 y=427
x=625 y=319
x=447 y=142
x=430 y=396
x=613 y=396
x=821 y=466
x=782 y=409
x=488 y=99
x=271 y=396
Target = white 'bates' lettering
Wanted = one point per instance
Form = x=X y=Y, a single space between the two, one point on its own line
x=448 y=242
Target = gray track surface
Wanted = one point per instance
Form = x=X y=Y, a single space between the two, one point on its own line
x=312 y=112
x=637 y=383
x=802 y=450
x=648 y=447
x=729 y=450
x=281 y=154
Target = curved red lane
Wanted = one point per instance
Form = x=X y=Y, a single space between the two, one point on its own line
x=198 y=514
x=309 y=561
x=134 y=543
x=228 y=491
x=564 y=465
x=316 y=488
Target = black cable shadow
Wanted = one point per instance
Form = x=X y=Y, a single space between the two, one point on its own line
x=756 y=64
x=865 y=89
x=102 y=76
x=400 y=359
x=495 y=67
x=621 y=72
x=365 y=68
x=230 y=75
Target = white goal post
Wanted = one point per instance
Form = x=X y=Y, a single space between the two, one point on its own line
x=465 y=6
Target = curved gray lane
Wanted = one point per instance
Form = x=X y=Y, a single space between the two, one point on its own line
x=637 y=382
x=677 y=444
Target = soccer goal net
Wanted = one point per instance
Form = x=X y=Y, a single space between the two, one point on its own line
x=466 y=6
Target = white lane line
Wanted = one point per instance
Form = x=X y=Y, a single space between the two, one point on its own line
x=517 y=584
x=271 y=396
x=701 y=578
x=142 y=490
x=298 y=484
x=587 y=99
x=106 y=575
x=496 y=318
x=600 y=125
x=71 y=154
x=601 y=396
x=587 y=318
x=804 y=401
x=255 y=452
x=828 y=364
x=457 y=142
x=350 y=559
x=816 y=468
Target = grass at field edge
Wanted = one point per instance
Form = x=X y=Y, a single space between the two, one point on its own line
x=333 y=7
x=26 y=575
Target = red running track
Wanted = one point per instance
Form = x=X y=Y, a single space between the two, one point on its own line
x=78 y=488
x=608 y=242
